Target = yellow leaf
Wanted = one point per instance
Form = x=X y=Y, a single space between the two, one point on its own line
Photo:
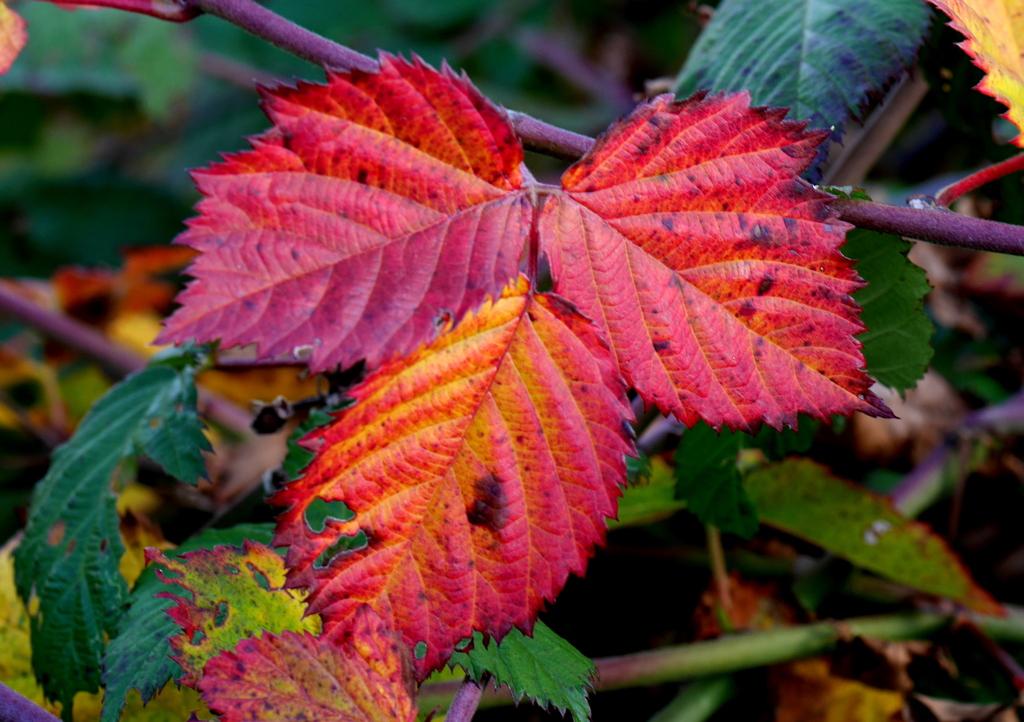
x=995 y=39
x=807 y=692
x=13 y=36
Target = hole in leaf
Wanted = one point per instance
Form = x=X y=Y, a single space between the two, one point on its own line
x=420 y=650
x=343 y=545
x=56 y=533
x=319 y=511
x=232 y=568
x=198 y=636
x=260 y=578
x=465 y=645
x=222 y=614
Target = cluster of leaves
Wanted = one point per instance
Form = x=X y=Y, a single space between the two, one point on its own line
x=386 y=219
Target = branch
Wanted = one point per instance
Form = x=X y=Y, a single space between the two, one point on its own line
x=976 y=180
x=16 y=708
x=116 y=360
x=465 y=702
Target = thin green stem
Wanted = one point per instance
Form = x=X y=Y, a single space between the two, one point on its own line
x=698 y=701
x=749 y=650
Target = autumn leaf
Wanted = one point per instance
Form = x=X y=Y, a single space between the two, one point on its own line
x=995 y=40
x=713 y=269
x=235 y=593
x=378 y=208
x=808 y=692
x=363 y=676
x=480 y=469
x=13 y=36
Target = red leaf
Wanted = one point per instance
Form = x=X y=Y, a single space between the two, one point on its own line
x=687 y=235
x=360 y=678
x=481 y=469
x=13 y=36
x=377 y=208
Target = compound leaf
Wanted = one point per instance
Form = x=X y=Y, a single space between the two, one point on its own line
x=688 y=237
x=708 y=480
x=13 y=36
x=826 y=60
x=361 y=676
x=139 y=657
x=379 y=207
x=804 y=499
x=480 y=469
x=236 y=593
x=995 y=36
x=68 y=561
x=544 y=668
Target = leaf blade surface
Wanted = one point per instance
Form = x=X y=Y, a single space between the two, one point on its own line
x=480 y=471
x=688 y=237
x=377 y=208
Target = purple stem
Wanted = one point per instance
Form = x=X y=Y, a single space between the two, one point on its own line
x=465 y=702
x=17 y=708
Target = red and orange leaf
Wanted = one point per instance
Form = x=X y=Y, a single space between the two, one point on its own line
x=363 y=677
x=377 y=208
x=236 y=594
x=995 y=40
x=714 y=270
x=481 y=470
x=13 y=36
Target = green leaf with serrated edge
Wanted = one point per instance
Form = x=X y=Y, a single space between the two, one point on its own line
x=779 y=444
x=826 y=60
x=544 y=668
x=652 y=497
x=68 y=560
x=803 y=498
x=897 y=344
x=139 y=657
x=298 y=458
x=709 y=482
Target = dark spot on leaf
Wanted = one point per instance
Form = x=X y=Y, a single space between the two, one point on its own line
x=222 y=614
x=361 y=175
x=668 y=224
x=55 y=535
x=488 y=507
x=71 y=548
x=766 y=285
x=662 y=345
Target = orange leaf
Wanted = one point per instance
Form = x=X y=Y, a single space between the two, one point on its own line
x=688 y=236
x=807 y=692
x=361 y=678
x=481 y=470
x=995 y=40
x=378 y=207
x=13 y=36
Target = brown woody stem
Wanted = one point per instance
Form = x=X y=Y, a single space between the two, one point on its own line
x=926 y=225
x=976 y=180
x=117 y=360
x=17 y=708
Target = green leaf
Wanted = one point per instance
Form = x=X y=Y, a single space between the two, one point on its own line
x=545 y=668
x=897 y=344
x=68 y=560
x=298 y=457
x=826 y=60
x=779 y=444
x=804 y=499
x=139 y=657
x=652 y=497
x=709 y=482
